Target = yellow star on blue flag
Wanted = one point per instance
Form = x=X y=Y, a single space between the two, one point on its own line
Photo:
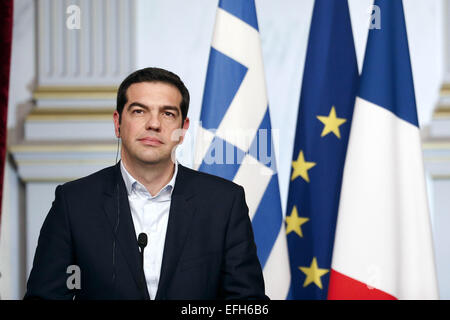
x=294 y=223
x=301 y=167
x=313 y=274
x=332 y=123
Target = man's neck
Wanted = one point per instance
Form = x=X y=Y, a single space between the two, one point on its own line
x=152 y=176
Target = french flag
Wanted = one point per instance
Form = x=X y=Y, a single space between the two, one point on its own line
x=383 y=245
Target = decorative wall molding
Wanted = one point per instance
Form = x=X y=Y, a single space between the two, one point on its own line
x=61 y=162
x=100 y=52
x=69 y=132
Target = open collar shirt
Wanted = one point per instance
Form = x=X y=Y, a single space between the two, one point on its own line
x=150 y=215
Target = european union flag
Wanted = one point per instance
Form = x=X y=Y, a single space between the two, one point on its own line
x=330 y=83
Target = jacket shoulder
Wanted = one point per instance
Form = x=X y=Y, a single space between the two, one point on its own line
x=94 y=181
x=209 y=181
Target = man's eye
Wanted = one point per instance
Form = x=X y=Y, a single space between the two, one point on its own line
x=137 y=111
x=169 y=114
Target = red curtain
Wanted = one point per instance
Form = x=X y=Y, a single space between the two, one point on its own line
x=6 y=25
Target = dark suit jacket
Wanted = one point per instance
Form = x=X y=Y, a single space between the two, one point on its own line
x=209 y=250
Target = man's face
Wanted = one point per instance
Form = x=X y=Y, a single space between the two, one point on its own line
x=151 y=123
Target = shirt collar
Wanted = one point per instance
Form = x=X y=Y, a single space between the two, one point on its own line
x=131 y=182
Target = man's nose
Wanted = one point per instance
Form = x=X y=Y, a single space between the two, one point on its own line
x=153 y=122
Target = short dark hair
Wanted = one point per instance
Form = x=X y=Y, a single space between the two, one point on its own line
x=152 y=75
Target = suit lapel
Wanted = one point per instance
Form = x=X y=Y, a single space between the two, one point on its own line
x=180 y=217
x=118 y=212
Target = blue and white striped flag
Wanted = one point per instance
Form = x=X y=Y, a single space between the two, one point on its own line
x=234 y=140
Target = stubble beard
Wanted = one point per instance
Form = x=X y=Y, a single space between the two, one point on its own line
x=144 y=157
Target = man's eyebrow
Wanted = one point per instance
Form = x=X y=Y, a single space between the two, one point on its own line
x=137 y=104
x=170 y=108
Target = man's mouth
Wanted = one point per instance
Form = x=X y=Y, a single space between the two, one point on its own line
x=149 y=141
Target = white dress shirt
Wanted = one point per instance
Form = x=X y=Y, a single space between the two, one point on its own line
x=150 y=215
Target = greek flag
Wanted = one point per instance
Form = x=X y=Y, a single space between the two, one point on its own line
x=234 y=140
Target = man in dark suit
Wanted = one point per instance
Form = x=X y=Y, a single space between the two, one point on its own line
x=200 y=239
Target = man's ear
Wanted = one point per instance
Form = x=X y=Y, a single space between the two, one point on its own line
x=185 y=127
x=186 y=123
x=116 y=118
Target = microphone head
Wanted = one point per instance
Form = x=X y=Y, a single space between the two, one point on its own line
x=142 y=240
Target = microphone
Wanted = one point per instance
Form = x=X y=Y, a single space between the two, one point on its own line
x=142 y=243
